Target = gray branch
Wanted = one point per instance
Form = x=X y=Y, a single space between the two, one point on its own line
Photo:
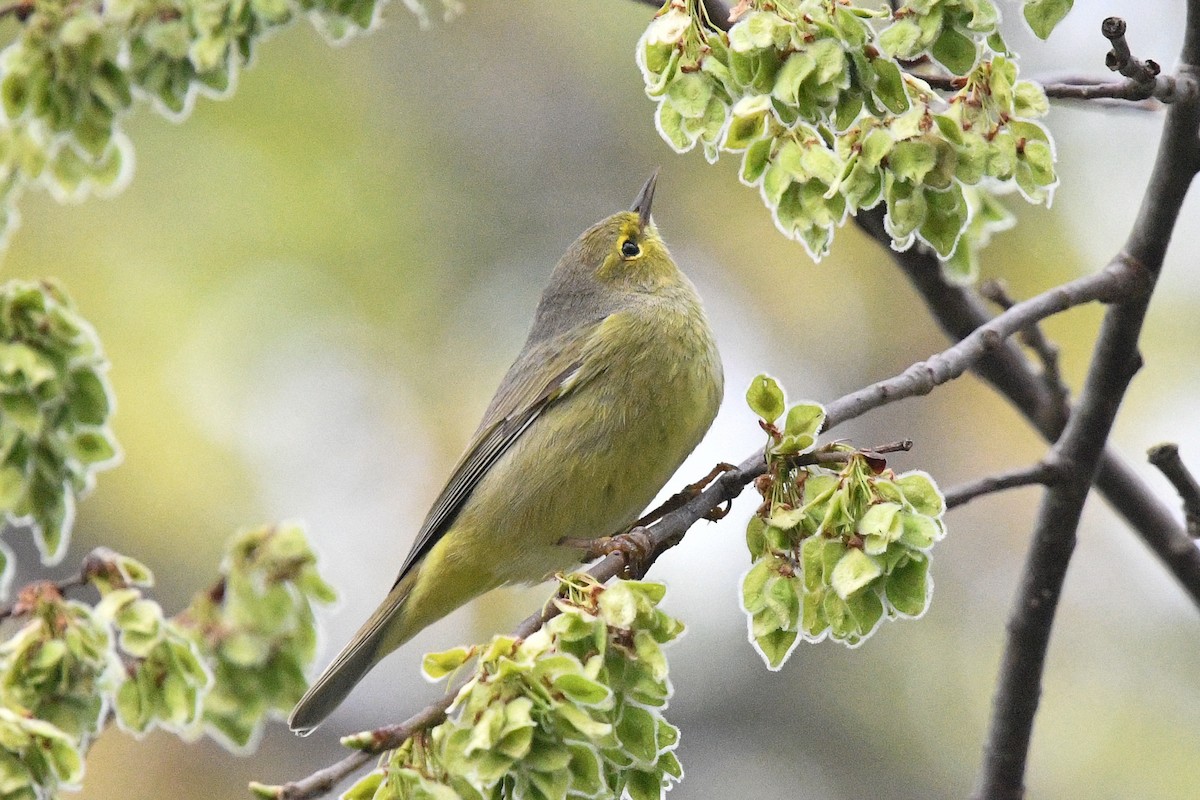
x=1043 y=473
x=1080 y=447
x=1166 y=458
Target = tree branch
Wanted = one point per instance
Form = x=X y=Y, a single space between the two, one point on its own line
x=1080 y=447
x=1119 y=279
x=1166 y=458
x=958 y=311
x=1043 y=472
x=1032 y=337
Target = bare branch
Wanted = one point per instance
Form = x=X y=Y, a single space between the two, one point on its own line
x=1044 y=473
x=1119 y=279
x=959 y=311
x=1033 y=338
x=1120 y=59
x=1166 y=458
x=1080 y=447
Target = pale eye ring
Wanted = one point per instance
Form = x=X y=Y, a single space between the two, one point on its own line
x=630 y=249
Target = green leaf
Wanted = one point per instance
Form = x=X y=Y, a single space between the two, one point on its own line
x=93 y=447
x=922 y=493
x=364 y=788
x=765 y=398
x=791 y=75
x=748 y=123
x=805 y=419
x=582 y=690
x=12 y=487
x=758 y=30
x=754 y=162
x=902 y=38
x=946 y=221
x=1029 y=99
x=636 y=730
x=670 y=126
x=439 y=665
x=783 y=519
x=583 y=722
x=88 y=400
x=642 y=785
x=920 y=531
x=689 y=94
x=775 y=647
x=889 y=85
x=912 y=160
x=854 y=571
x=753 y=584
x=908 y=587
x=1044 y=15
x=756 y=540
x=955 y=51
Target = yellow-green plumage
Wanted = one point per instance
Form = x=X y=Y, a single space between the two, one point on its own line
x=617 y=383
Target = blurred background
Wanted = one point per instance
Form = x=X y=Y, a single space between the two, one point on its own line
x=309 y=292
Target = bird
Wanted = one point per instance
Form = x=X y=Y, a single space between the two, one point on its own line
x=618 y=381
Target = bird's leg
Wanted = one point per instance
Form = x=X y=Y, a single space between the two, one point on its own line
x=634 y=545
x=687 y=493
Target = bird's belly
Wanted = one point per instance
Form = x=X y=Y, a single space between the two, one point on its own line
x=618 y=457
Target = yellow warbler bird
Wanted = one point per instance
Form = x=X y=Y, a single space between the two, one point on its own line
x=617 y=382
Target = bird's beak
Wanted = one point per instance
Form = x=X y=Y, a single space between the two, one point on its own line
x=644 y=200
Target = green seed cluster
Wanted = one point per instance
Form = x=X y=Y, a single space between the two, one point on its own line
x=573 y=711
x=812 y=95
x=59 y=666
x=76 y=68
x=835 y=552
x=36 y=758
x=256 y=630
x=70 y=667
x=165 y=676
x=55 y=405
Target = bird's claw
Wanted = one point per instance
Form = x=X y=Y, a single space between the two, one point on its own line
x=635 y=547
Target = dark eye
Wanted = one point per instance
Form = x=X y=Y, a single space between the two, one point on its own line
x=630 y=249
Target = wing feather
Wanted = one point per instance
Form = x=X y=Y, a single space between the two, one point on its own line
x=517 y=404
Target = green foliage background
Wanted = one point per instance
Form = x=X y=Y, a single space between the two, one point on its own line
x=309 y=291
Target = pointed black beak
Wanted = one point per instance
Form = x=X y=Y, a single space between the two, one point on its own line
x=645 y=199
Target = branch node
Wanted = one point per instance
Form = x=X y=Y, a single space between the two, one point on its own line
x=1120 y=58
x=1133 y=279
x=1166 y=457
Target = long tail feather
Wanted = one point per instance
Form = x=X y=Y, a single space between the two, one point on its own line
x=379 y=636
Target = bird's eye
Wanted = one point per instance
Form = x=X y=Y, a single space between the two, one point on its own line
x=630 y=249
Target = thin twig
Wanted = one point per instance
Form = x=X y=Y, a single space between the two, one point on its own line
x=1033 y=338
x=1044 y=473
x=1120 y=59
x=1079 y=449
x=958 y=311
x=1118 y=280
x=1166 y=458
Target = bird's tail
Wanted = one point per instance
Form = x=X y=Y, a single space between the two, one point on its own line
x=380 y=635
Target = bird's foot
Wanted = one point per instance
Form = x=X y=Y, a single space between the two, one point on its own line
x=635 y=547
x=687 y=493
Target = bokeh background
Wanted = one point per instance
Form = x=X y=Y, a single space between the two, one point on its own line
x=309 y=291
